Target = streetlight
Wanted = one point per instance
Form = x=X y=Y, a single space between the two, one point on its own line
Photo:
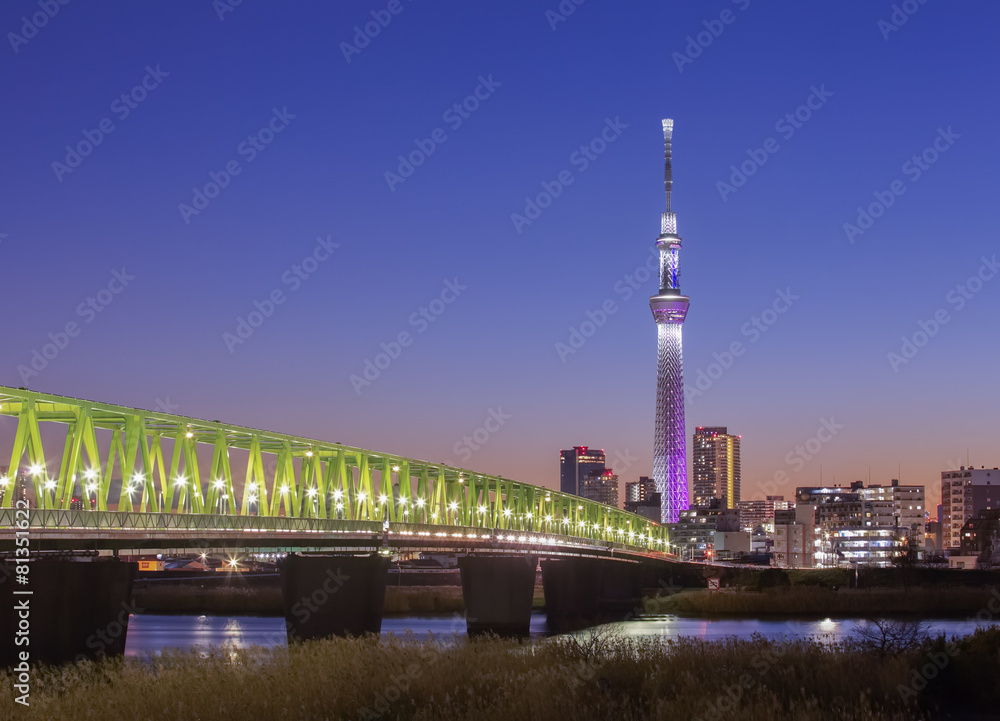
x=181 y=483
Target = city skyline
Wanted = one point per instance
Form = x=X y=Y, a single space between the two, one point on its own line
x=279 y=300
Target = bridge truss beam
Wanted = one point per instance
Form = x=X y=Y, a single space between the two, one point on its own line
x=137 y=461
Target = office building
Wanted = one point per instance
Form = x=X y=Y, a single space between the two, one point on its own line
x=760 y=513
x=576 y=464
x=650 y=508
x=716 y=457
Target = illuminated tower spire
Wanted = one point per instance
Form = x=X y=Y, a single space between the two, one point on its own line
x=669 y=310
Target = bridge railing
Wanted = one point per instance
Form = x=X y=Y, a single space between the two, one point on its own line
x=39 y=522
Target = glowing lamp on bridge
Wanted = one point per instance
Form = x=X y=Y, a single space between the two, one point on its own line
x=137 y=478
x=49 y=485
x=507 y=512
x=337 y=495
x=420 y=502
x=34 y=469
x=309 y=454
x=284 y=488
x=4 y=480
x=181 y=480
x=91 y=487
x=311 y=492
x=527 y=515
x=340 y=506
x=395 y=469
x=189 y=434
x=453 y=506
x=219 y=483
x=383 y=498
x=90 y=474
x=362 y=496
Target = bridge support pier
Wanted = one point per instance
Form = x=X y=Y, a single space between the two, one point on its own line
x=581 y=592
x=498 y=591
x=76 y=609
x=333 y=595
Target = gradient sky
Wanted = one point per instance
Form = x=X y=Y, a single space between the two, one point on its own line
x=160 y=342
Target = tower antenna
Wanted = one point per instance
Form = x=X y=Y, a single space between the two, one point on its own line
x=668 y=131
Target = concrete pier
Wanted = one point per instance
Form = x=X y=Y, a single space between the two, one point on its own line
x=76 y=609
x=581 y=592
x=498 y=591
x=333 y=595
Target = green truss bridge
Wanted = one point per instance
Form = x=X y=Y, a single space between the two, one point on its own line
x=85 y=475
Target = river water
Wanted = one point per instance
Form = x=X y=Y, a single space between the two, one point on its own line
x=151 y=634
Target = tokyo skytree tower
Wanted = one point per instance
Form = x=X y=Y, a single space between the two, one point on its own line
x=669 y=308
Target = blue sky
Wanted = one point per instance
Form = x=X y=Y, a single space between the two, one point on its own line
x=882 y=91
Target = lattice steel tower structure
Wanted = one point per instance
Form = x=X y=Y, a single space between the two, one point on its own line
x=669 y=308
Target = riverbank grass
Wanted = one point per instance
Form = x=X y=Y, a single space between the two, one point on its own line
x=587 y=678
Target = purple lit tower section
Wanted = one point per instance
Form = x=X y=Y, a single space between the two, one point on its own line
x=669 y=308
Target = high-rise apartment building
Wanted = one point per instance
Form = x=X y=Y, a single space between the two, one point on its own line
x=600 y=486
x=576 y=464
x=716 y=456
x=964 y=493
x=640 y=491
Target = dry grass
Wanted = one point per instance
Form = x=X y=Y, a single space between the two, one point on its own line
x=823 y=601
x=423 y=599
x=490 y=679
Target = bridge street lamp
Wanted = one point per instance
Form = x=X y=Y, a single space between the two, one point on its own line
x=35 y=470
x=48 y=486
x=182 y=501
x=219 y=485
x=91 y=488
